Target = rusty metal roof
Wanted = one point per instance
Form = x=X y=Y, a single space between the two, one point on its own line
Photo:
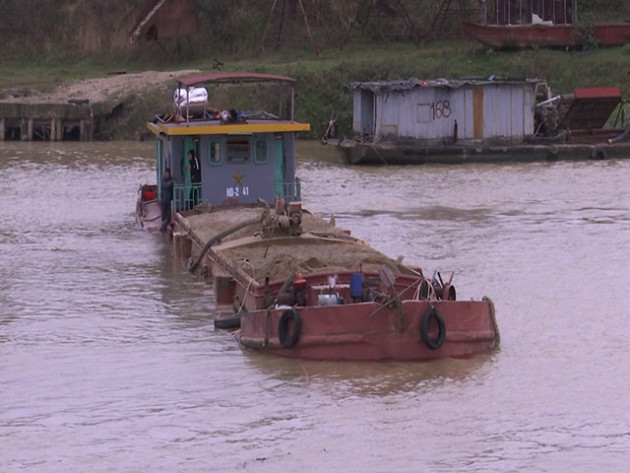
x=236 y=77
x=591 y=107
x=413 y=82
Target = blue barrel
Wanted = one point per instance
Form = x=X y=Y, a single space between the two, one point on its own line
x=356 y=285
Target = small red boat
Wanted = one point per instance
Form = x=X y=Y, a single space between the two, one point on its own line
x=148 y=214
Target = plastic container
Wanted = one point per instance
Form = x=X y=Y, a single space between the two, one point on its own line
x=328 y=299
x=356 y=285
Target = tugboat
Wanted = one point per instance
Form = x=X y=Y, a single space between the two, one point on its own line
x=295 y=284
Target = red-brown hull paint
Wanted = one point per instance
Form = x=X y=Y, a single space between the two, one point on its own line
x=368 y=331
x=558 y=36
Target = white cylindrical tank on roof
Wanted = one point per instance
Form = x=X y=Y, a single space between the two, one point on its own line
x=193 y=95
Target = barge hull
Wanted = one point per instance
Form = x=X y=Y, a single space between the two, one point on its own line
x=389 y=153
x=371 y=332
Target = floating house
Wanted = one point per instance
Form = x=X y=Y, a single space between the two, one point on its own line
x=418 y=121
x=445 y=109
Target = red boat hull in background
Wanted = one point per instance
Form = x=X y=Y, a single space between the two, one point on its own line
x=612 y=34
x=554 y=36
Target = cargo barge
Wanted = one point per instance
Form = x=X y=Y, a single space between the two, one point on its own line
x=293 y=284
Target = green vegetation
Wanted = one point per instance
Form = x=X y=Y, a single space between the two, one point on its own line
x=322 y=79
x=380 y=49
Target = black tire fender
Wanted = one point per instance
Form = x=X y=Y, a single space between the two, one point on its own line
x=599 y=154
x=432 y=313
x=423 y=292
x=227 y=322
x=289 y=340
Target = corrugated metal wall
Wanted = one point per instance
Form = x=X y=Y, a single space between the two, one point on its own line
x=363 y=112
x=357 y=122
x=481 y=111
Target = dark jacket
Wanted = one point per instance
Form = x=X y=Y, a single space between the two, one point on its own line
x=167 y=189
x=195 y=171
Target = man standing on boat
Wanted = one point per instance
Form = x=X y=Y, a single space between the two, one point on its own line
x=195 y=177
x=166 y=197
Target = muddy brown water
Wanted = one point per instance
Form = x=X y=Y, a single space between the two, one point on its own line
x=109 y=360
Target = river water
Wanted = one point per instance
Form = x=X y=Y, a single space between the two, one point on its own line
x=109 y=360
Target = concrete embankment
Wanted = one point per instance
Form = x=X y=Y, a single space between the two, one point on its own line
x=76 y=111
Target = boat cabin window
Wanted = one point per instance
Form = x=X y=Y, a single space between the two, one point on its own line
x=260 y=151
x=215 y=154
x=237 y=149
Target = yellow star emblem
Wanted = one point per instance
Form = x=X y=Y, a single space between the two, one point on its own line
x=238 y=178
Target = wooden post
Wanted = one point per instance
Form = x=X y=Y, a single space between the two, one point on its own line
x=59 y=128
x=224 y=290
x=2 y=124
x=182 y=246
x=53 y=129
x=186 y=247
x=82 y=130
x=177 y=245
x=30 y=129
x=89 y=125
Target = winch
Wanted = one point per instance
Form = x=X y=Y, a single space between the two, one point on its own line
x=284 y=219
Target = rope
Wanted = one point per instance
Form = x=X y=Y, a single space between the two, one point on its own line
x=389 y=299
x=249 y=285
x=431 y=295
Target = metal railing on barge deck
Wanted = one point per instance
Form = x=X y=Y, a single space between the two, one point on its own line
x=289 y=190
x=186 y=197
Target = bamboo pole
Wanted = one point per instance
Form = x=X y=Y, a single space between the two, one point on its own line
x=264 y=34
x=281 y=26
x=308 y=29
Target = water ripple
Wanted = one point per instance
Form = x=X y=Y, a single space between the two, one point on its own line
x=110 y=360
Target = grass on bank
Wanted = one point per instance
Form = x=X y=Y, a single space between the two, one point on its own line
x=321 y=79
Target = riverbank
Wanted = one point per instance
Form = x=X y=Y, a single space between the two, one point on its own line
x=321 y=79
